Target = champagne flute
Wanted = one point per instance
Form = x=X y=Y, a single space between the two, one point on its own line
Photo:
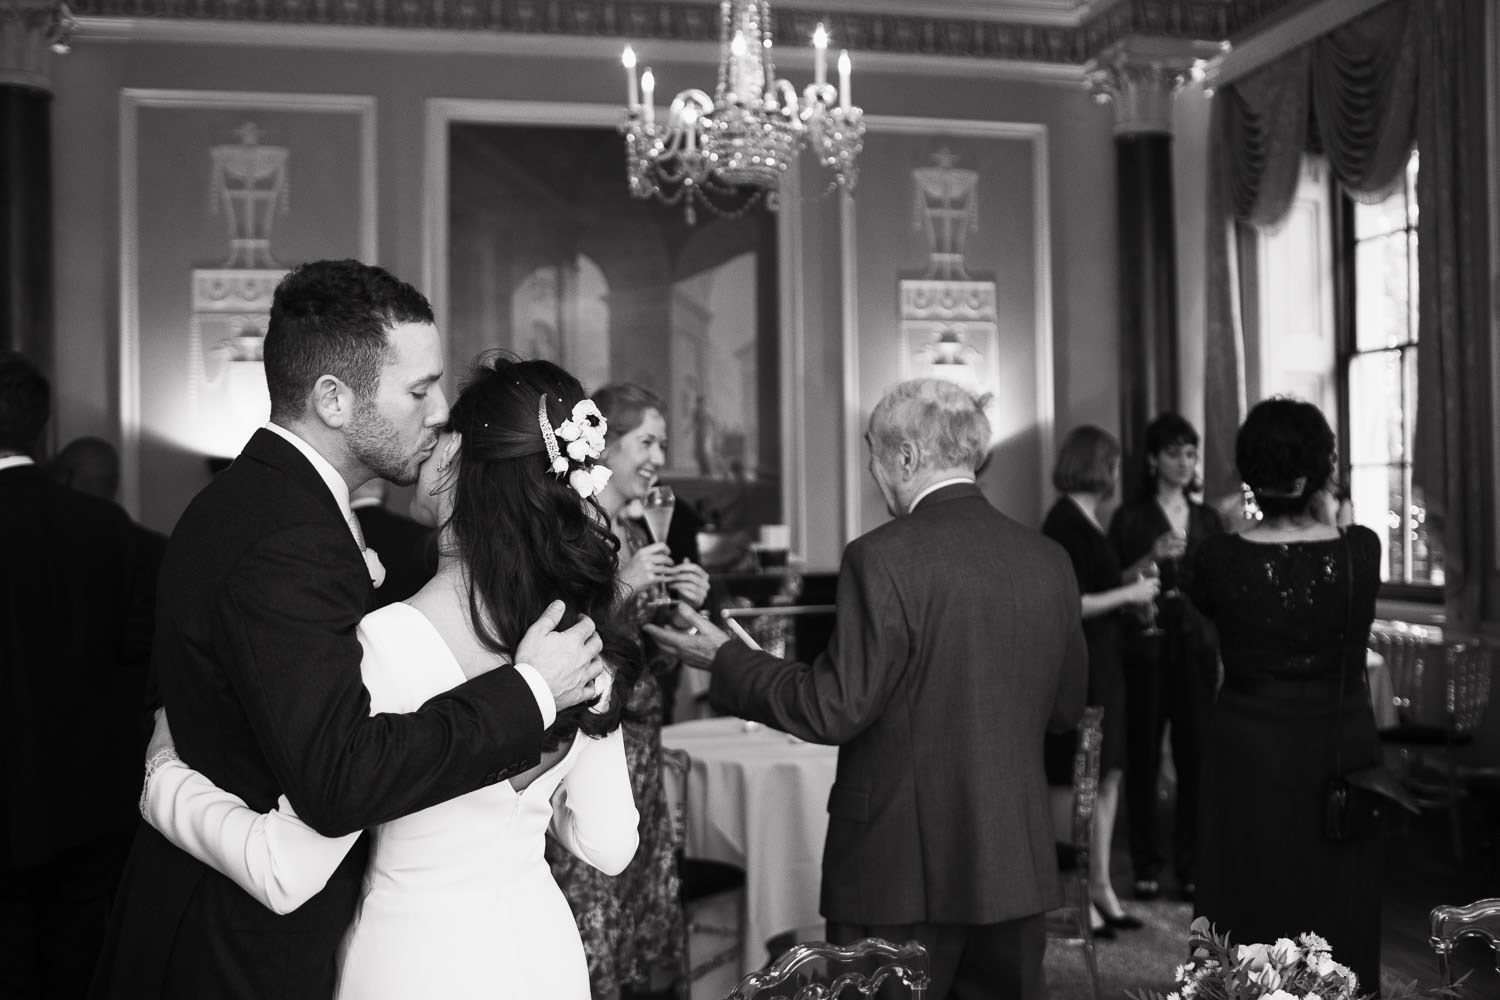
x=658 y=505
x=1148 y=611
x=1174 y=563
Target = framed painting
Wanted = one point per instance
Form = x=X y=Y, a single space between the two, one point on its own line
x=947 y=273
x=221 y=193
x=537 y=247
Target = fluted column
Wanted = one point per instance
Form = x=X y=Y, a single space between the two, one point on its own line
x=1140 y=77
x=28 y=31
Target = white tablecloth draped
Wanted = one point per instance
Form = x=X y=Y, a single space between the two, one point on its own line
x=1382 y=693
x=759 y=799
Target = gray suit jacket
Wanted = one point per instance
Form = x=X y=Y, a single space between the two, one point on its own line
x=957 y=644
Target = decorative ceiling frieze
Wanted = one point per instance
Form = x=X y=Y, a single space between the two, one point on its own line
x=987 y=38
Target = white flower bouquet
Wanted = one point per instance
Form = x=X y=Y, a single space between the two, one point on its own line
x=1303 y=969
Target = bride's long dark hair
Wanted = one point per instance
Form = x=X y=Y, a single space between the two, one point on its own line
x=525 y=537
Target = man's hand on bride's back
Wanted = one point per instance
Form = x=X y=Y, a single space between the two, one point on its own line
x=568 y=660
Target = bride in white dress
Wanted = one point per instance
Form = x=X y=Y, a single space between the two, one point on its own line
x=458 y=901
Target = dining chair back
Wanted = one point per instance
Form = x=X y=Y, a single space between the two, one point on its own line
x=821 y=971
x=1071 y=923
x=699 y=880
x=1442 y=690
x=1449 y=924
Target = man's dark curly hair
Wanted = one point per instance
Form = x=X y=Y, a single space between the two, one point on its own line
x=333 y=317
x=526 y=538
x=1285 y=452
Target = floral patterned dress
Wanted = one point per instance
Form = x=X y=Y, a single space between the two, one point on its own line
x=632 y=924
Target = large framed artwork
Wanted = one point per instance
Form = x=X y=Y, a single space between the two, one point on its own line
x=221 y=193
x=537 y=247
x=947 y=272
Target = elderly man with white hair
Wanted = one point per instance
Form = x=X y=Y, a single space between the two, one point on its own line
x=957 y=645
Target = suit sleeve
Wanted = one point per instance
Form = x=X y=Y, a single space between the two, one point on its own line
x=836 y=697
x=1073 y=678
x=285 y=637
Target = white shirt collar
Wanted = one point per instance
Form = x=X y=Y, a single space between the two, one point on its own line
x=935 y=487
x=16 y=461
x=325 y=469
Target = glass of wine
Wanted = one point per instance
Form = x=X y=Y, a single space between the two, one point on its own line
x=1148 y=610
x=657 y=506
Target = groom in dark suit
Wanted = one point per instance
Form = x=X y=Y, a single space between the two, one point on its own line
x=255 y=656
x=957 y=644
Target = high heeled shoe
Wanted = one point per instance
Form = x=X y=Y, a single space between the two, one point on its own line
x=1123 y=922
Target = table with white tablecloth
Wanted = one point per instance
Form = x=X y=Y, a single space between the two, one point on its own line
x=758 y=798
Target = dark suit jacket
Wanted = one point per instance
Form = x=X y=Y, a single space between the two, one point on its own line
x=76 y=589
x=957 y=646
x=257 y=661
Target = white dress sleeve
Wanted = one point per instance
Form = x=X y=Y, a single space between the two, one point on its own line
x=275 y=857
x=593 y=809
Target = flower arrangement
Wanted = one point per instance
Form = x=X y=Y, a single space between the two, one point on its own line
x=1287 y=970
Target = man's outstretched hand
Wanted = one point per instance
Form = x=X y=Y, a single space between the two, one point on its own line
x=694 y=639
x=568 y=660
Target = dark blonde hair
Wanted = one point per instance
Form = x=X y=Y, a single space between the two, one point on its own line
x=1085 y=462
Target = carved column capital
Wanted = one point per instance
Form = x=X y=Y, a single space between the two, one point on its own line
x=1140 y=75
x=30 y=31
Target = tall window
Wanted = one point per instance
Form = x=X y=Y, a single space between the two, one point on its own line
x=1381 y=364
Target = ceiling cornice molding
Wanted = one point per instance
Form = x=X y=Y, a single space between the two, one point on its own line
x=1275 y=36
x=1043 y=32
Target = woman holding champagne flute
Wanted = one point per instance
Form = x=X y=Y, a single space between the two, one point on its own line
x=1086 y=475
x=632 y=924
x=1170 y=665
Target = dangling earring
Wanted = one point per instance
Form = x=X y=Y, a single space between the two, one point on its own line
x=437 y=487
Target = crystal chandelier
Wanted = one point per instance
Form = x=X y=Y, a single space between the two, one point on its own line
x=728 y=153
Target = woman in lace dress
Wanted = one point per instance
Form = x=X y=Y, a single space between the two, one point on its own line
x=1292 y=599
x=632 y=924
x=458 y=901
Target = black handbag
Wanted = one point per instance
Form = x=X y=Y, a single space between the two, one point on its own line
x=1357 y=801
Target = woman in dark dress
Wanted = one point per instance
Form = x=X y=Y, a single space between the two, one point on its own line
x=1293 y=599
x=1169 y=675
x=1087 y=472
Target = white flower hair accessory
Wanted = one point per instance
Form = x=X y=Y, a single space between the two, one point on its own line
x=583 y=435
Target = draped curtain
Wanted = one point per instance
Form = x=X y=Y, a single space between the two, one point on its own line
x=1410 y=71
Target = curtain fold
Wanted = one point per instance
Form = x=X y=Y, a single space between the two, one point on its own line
x=1363 y=95
x=1408 y=71
x=1454 y=463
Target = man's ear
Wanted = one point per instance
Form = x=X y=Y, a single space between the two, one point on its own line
x=909 y=458
x=332 y=401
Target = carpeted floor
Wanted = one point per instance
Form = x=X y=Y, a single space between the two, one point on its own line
x=1139 y=959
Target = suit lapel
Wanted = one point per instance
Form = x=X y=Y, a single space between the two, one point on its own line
x=275 y=452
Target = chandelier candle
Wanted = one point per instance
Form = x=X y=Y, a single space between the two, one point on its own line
x=844 y=67
x=820 y=56
x=628 y=61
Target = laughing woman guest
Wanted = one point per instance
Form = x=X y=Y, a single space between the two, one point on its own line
x=1169 y=677
x=1293 y=599
x=1086 y=474
x=632 y=925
